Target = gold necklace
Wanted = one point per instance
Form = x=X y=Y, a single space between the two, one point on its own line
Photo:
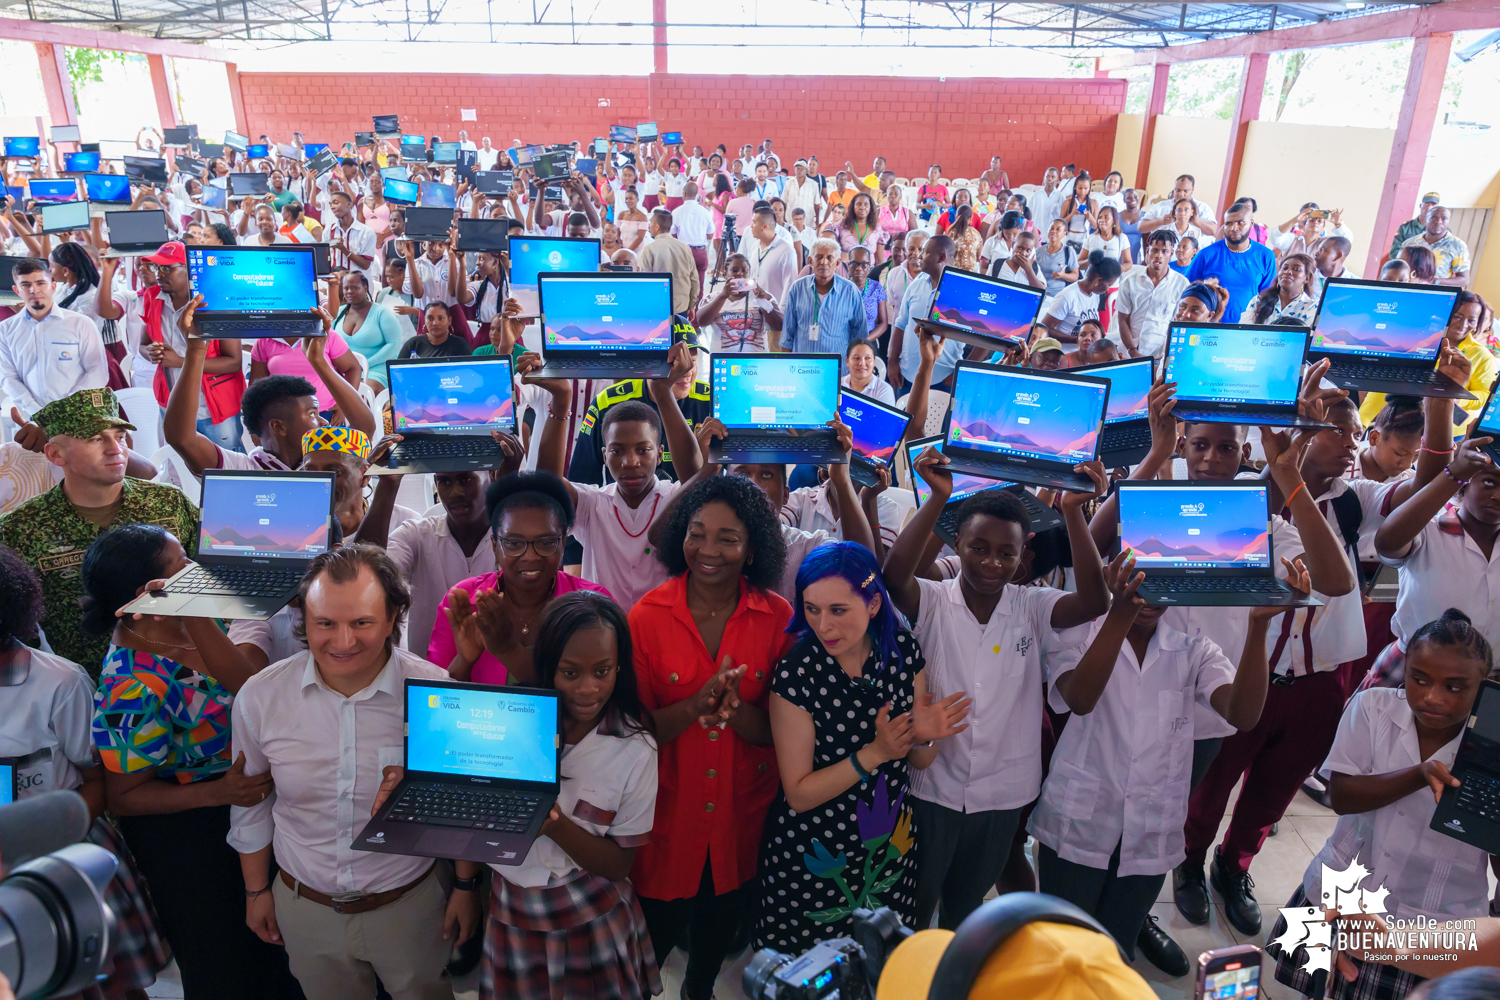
x=732 y=600
x=155 y=642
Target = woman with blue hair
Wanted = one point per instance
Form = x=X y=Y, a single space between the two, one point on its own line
x=850 y=715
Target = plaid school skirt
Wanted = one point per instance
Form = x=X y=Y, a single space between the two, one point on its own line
x=137 y=951
x=583 y=940
x=1374 y=982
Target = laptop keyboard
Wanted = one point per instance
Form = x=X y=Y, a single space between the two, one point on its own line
x=237 y=581
x=749 y=442
x=1119 y=439
x=1480 y=795
x=573 y=364
x=445 y=447
x=1385 y=373
x=262 y=325
x=1216 y=585
x=501 y=810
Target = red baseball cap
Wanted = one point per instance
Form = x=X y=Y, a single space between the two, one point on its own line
x=171 y=252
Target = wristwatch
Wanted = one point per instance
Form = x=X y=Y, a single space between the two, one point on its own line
x=466 y=884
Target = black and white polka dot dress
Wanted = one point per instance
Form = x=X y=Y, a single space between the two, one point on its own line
x=859 y=848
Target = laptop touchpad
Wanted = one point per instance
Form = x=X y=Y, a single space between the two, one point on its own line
x=442 y=843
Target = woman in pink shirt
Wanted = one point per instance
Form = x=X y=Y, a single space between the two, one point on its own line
x=486 y=626
x=278 y=356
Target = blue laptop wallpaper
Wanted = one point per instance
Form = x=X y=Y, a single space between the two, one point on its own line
x=608 y=313
x=491 y=734
x=1002 y=310
x=78 y=163
x=1489 y=420
x=22 y=145
x=463 y=395
x=964 y=486
x=107 y=187
x=1004 y=413
x=252 y=280
x=265 y=517
x=1236 y=366
x=397 y=190
x=529 y=257
x=438 y=195
x=1400 y=321
x=876 y=431
x=50 y=190
x=774 y=393
x=1129 y=387
x=1204 y=528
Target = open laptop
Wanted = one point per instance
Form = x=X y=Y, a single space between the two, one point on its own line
x=44 y=191
x=260 y=532
x=606 y=325
x=1127 y=422
x=80 y=163
x=1383 y=585
x=65 y=216
x=1237 y=374
x=445 y=409
x=1203 y=544
x=878 y=429
x=483 y=235
x=399 y=192
x=427 y=224
x=135 y=234
x=146 y=169
x=533 y=255
x=482 y=772
x=104 y=191
x=1488 y=424
x=1385 y=336
x=253 y=184
x=1025 y=426
x=385 y=125
x=434 y=195
x=253 y=292
x=445 y=152
x=1471 y=812
x=776 y=408
x=983 y=311
x=1042 y=518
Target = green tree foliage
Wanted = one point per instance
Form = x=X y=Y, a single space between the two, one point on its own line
x=86 y=66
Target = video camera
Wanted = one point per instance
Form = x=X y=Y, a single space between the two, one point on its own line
x=847 y=967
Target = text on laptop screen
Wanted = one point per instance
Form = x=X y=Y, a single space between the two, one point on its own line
x=107 y=187
x=607 y=314
x=530 y=257
x=486 y=734
x=22 y=145
x=253 y=281
x=1008 y=413
x=267 y=517
x=43 y=190
x=1397 y=321
x=995 y=309
x=1129 y=385
x=877 y=431
x=964 y=486
x=1236 y=366
x=1170 y=528
x=774 y=393
x=454 y=395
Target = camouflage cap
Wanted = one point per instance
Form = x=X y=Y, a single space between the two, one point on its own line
x=81 y=415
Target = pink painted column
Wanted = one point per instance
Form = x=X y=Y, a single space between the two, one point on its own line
x=165 y=110
x=1246 y=110
x=1155 y=105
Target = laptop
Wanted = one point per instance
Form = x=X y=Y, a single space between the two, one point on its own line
x=878 y=429
x=445 y=152
x=43 y=191
x=413 y=148
x=254 y=292
x=208 y=150
x=621 y=133
x=434 y=195
x=257 y=151
x=253 y=184
x=1488 y=424
x=394 y=173
x=533 y=255
x=135 y=234
x=1127 y=422
x=62 y=217
x=399 y=192
x=776 y=408
x=1237 y=374
x=445 y=408
x=427 y=224
x=1203 y=544
x=179 y=136
x=605 y=325
x=22 y=146
x=8 y=296
x=483 y=235
x=65 y=133
x=1025 y=426
x=1385 y=336
x=482 y=772
x=322 y=161
x=80 y=163
x=552 y=166
x=146 y=169
x=386 y=124
x=233 y=140
x=1471 y=812
x=1042 y=518
x=104 y=190
x=982 y=311
x=494 y=181
x=259 y=533
x=1383 y=585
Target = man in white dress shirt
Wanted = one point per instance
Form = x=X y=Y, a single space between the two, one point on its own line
x=1160 y=214
x=47 y=352
x=773 y=258
x=326 y=723
x=488 y=155
x=693 y=225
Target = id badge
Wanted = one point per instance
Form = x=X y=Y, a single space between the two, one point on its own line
x=812 y=333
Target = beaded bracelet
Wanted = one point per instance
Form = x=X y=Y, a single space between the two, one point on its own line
x=859 y=769
x=1449 y=473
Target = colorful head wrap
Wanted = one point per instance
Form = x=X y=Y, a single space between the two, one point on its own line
x=355 y=442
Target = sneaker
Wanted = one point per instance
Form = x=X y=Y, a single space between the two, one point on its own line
x=1158 y=948
x=1240 y=905
x=1190 y=892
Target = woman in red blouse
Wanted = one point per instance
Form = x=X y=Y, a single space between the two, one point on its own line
x=707 y=642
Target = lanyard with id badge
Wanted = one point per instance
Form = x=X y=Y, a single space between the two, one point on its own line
x=812 y=331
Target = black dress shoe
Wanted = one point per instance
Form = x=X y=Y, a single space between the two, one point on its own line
x=1158 y=948
x=1190 y=892
x=1240 y=905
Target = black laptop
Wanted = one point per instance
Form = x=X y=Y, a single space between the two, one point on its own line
x=482 y=772
x=1238 y=373
x=1127 y=422
x=1385 y=336
x=777 y=408
x=1488 y=424
x=1471 y=812
x=252 y=292
x=428 y=225
x=878 y=429
x=1025 y=426
x=445 y=409
x=260 y=531
x=1203 y=544
x=483 y=235
x=983 y=311
x=1042 y=518
x=135 y=234
x=604 y=324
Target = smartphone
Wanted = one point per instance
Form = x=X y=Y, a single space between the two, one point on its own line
x=601 y=147
x=1321 y=213
x=1229 y=974
x=738 y=285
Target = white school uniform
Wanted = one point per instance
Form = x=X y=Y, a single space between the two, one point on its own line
x=608 y=787
x=617 y=554
x=1425 y=872
x=995 y=763
x=1445 y=569
x=48 y=724
x=1120 y=774
x=808 y=508
x=799 y=542
x=432 y=563
x=274 y=636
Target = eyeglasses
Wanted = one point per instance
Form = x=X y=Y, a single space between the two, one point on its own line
x=546 y=546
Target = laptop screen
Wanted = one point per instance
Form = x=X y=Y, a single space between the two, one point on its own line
x=481 y=732
x=253 y=281
x=1007 y=411
x=531 y=256
x=80 y=162
x=994 y=308
x=65 y=215
x=146 y=227
x=22 y=145
x=394 y=173
x=1383 y=320
x=428 y=223
x=43 y=190
x=400 y=191
x=1129 y=385
x=1261 y=366
x=7 y=782
x=1174 y=527
x=266 y=517
x=107 y=187
x=386 y=124
x=463 y=394
x=964 y=486
x=771 y=393
x=877 y=429
x=444 y=152
x=438 y=195
x=606 y=313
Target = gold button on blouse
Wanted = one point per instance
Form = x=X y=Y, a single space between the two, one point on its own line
x=713 y=734
x=762 y=767
x=708 y=807
x=712 y=773
x=672 y=678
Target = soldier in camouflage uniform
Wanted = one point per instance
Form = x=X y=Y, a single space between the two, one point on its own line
x=86 y=438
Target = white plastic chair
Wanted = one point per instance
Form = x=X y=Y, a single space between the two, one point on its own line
x=416 y=492
x=173 y=471
x=23 y=475
x=139 y=403
x=906 y=503
x=937 y=410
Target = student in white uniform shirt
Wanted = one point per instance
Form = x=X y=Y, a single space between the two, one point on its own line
x=1148 y=296
x=352 y=243
x=47 y=352
x=984 y=635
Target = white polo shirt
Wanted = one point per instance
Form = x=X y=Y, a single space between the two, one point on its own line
x=799 y=542
x=1445 y=569
x=432 y=563
x=808 y=508
x=692 y=224
x=996 y=762
x=1120 y=774
x=361 y=240
x=617 y=555
x=47 y=724
x=1150 y=307
x=434 y=282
